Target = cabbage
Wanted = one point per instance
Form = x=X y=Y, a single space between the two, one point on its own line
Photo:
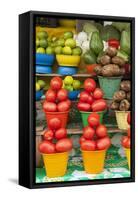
x=82 y=36
x=89 y=28
x=121 y=26
x=109 y=32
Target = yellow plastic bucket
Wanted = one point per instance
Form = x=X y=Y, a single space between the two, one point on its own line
x=128 y=155
x=121 y=118
x=93 y=161
x=55 y=164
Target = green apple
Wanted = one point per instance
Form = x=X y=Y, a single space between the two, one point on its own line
x=76 y=84
x=68 y=87
x=68 y=80
x=66 y=51
x=43 y=43
x=37 y=86
x=41 y=83
x=58 y=50
x=49 y=50
x=37 y=42
x=60 y=42
x=70 y=43
x=42 y=34
x=77 y=51
x=68 y=34
x=40 y=50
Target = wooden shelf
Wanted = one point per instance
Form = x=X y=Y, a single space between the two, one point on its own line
x=79 y=131
x=75 y=75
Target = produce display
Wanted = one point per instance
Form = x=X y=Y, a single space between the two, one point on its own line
x=83 y=71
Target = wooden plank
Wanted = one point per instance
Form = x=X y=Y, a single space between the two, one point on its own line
x=75 y=75
x=79 y=131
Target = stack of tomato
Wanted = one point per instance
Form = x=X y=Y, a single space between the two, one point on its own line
x=56 y=97
x=126 y=141
x=55 y=139
x=91 y=99
x=95 y=135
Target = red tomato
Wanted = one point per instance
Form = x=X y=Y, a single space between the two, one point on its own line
x=98 y=93
x=46 y=147
x=84 y=106
x=63 y=106
x=61 y=133
x=49 y=107
x=129 y=118
x=126 y=142
x=89 y=85
x=101 y=131
x=55 y=123
x=64 y=145
x=69 y=102
x=90 y=99
x=62 y=95
x=88 y=145
x=94 y=119
x=88 y=132
x=48 y=135
x=113 y=43
x=50 y=96
x=82 y=139
x=129 y=132
x=84 y=96
x=99 y=105
x=56 y=83
x=103 y=143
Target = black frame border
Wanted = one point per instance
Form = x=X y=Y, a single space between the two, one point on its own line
x=30 y=141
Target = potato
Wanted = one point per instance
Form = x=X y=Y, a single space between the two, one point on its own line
x=116 y=70
x=111 y=51
x=118 y=61
x=114 y=105
x=105 y=60
x=128 y=96
x=107 y=70
x=98 y=70
x=125 y=85
x=124 y=105
x=119 y=96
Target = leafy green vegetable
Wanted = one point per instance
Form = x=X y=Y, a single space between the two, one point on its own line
x=121 y=26
x=89 y=28
x=125 y=42
x=109 y=32
x=89 y=57
x=123 y=55
x=96 y=43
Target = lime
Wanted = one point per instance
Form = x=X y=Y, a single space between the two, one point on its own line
x=77 y=51
x=66 y=50
x=76 y=84
x=37 y=42
x=68 y=34
x=37 y=86
x=41 y=83
x=60 y=42
x=43 y=43
x=68 y=87
x=70 y=43
x=54 y=39
x=49 y=50
x=68 y=80
x=40 y=50
x=42 y=35
x=58 y=50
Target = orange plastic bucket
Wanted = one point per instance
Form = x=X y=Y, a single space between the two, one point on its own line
x=128 y=155
x=63 y=116
x=55 y=164
x=93 y=161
